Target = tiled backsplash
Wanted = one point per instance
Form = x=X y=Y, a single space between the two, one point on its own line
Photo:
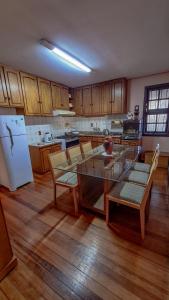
x=37 y=126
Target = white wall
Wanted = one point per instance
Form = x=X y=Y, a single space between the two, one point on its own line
x=136 y=96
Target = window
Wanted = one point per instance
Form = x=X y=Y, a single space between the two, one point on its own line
x=156 y=110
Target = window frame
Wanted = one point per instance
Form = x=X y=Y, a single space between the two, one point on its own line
x=154 y=111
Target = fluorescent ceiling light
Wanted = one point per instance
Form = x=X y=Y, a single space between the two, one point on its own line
x=65 y=56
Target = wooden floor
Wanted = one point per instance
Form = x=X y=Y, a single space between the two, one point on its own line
x=63 y=257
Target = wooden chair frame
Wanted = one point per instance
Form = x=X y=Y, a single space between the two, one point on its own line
x=73 y=188
x=82 y=149
x=142 y=206
x=73 y=149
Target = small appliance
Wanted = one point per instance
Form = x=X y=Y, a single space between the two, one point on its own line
x=47 y=137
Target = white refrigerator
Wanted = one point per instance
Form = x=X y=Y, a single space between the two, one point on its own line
x=15 y=163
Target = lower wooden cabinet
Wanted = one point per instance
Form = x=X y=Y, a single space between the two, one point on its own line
x=39 y=157
x=7 y=260
x=132 y=142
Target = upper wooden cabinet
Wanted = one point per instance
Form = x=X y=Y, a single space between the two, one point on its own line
x=14 y=90
x=3 y=90
x=106 y=98
x=101 y=99
x=78 y=101
x=87 y=100
x=31 y=94
x=56 y=95
x=60 y=96
x=96 y=99
x=45 y=95
x=119 y=103
x=64 y=97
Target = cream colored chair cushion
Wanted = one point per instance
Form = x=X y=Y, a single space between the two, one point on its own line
x=69 y=178
x=140 y=177
x=142 y=167
x=132 y=192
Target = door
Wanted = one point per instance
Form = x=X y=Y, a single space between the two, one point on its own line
x=45 y=95
x=96 y=99
x=106 y=99
x=14 y=125
x=119 y=96
x=64 y=98
x=78 y=101
x=31 y=94
x=3 y=90
x=56 y=95
x=14 y=90
x=87 y=100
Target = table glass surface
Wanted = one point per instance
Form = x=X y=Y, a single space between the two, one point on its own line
x=98 y=164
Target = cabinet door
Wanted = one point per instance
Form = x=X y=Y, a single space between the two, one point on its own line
x=78 y=101
x=45 y=96
x=96 y=99
x=87 y=100
x=31 y=94
x=56 y=95
x=45 y=159
x=106 y=99
x=64 y=98
x=14 y=89
x=55 y=148
x=119 y=96
x=3 y=90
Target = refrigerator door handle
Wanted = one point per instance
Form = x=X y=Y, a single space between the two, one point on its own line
x=11 y=137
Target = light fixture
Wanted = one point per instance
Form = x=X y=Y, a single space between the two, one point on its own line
x=65 y=56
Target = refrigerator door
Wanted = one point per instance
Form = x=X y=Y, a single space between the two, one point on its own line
x=12 y=125
x=16 y=168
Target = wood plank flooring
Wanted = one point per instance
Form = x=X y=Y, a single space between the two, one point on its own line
x=63 y=257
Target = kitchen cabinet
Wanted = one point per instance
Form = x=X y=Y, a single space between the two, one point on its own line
x=106 y=98
x=132 y=142
x=39 y=156
x=119 y=103
x=96 y=99
x=14 y=90
x=31 y=94
x=45 y=96
x=56 y=95
x=87 y=100
x=64 y=97
x=7 y=260
x=78 y=101
x=3 y=89
x=60 y=96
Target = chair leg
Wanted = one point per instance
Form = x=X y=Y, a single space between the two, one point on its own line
x=107 y=210
x=142 y=223
x=75 y=201
x=55 y=194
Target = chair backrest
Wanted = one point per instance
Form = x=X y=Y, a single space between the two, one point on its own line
x=155 y=158
x=87 y=149
x=57 y=159
x=74 y=154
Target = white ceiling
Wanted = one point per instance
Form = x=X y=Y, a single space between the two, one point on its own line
x=116 y=38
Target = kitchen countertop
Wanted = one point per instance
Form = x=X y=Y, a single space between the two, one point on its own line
x=43 y=144
x=99 y=134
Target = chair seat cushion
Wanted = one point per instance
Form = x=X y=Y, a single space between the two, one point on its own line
x=69 y=178
x=139 y=177
x=142 y=167
x=132 y=192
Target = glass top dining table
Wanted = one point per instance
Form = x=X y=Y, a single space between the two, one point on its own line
x=96 y=163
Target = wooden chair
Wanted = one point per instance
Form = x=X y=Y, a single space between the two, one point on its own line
x=144 y=167
x=65 y=177
x=141 y=177
x=74 y=154
x=87 y=149
x=132 y=195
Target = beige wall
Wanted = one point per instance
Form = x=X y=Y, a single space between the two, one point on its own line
x=136 y=96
